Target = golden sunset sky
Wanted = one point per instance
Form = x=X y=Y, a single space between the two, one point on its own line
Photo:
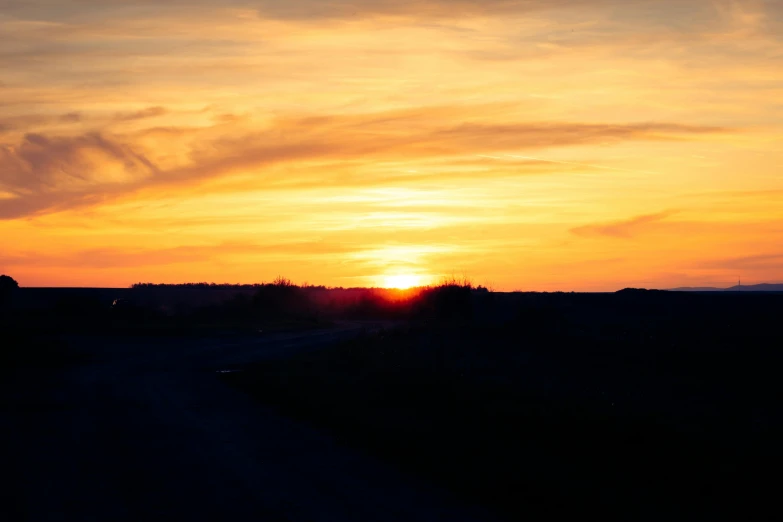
x=533 y=145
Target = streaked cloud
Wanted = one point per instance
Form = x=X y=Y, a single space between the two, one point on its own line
x=52 y=173
x=624 y=228
x=150 y=112
x=107 y=258
x=764 y=262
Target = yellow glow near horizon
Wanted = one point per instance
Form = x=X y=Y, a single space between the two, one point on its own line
x=403 y=281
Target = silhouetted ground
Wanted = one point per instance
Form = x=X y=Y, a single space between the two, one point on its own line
x=143 y=429
x=629 y=406
x=38 y=315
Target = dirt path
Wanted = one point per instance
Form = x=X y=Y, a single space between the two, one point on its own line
x=147 y=431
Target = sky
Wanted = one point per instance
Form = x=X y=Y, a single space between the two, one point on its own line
x=526 y=144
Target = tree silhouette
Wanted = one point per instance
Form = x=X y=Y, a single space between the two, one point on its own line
x=7 y=283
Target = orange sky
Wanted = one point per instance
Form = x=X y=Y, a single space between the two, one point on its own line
x=535 y=145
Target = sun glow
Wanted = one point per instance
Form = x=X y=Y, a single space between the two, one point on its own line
x=402 y=281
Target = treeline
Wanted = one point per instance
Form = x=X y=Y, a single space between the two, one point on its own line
x=280 y=281
x=194 y=285
x=203 y=307
x=284 y=300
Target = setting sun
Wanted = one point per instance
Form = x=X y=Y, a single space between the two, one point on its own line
x=402 y=281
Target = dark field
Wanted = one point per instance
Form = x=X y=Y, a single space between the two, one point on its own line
x=638 y=405
x=629 y=406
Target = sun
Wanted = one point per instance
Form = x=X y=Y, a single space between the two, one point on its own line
x=402 y=281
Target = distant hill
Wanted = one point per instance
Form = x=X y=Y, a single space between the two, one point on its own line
x=697 y=289
x=764 y=287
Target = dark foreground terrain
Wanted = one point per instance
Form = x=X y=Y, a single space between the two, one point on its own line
x=632 y=406
x=141 y=428
x=458 y=405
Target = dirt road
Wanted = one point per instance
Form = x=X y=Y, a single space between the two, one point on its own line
x=145 y=430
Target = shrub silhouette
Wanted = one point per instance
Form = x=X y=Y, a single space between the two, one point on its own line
x=452 y=300
x=7 y=282
x=282 y=299
x=7 y=287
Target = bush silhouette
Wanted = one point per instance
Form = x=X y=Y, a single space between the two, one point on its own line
x=282 y=299
x=7 y=283
x=452 y=300
x=7 y=286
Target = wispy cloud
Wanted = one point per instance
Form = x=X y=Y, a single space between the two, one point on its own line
x=316 y=9
x=109 y=258
x=626 y=228
x=762 y=262
x=47 y=173
x=55 y=172
x=149 y=112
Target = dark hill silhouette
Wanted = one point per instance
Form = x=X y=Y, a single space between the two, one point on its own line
x=696 y=289
x=763 y=287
